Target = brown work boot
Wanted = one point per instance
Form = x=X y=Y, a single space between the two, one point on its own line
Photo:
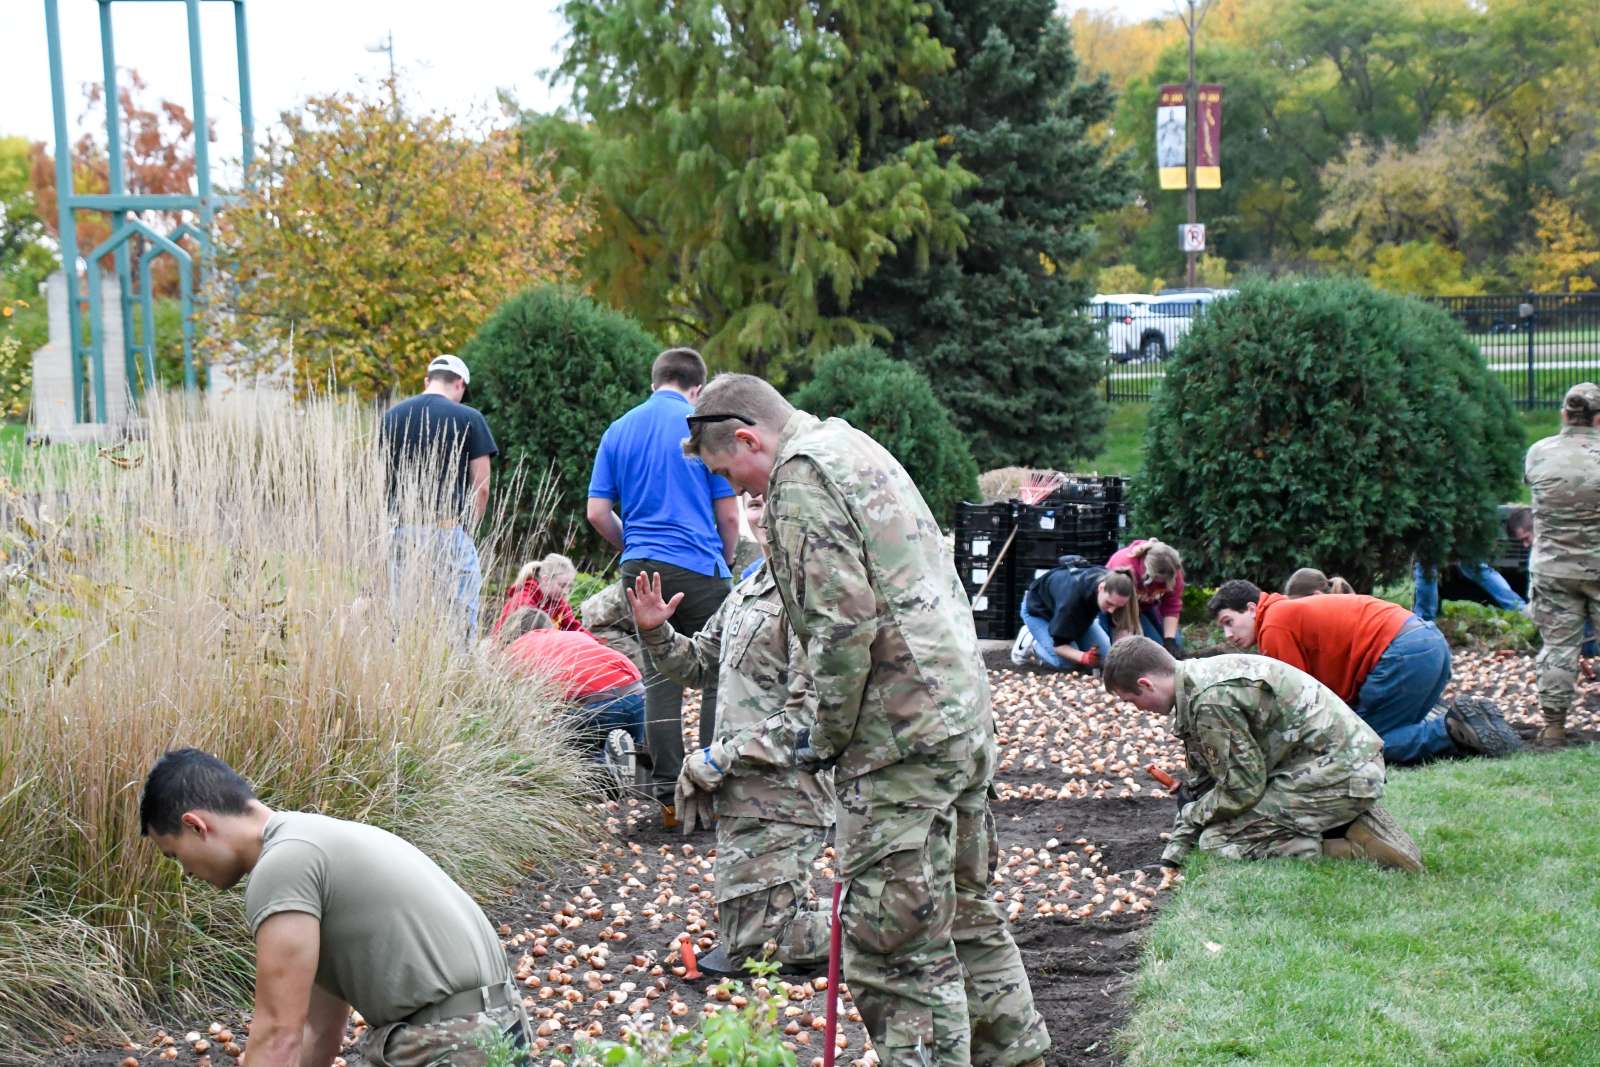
x=669 y=817
x=1377 y=837
x=1553 y=734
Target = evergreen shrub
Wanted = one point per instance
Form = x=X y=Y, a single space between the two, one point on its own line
x=1324 y=423
x=893 y=402
x=551 y=369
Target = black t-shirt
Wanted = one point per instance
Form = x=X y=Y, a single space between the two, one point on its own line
x=429 y=425
x=1068 y=598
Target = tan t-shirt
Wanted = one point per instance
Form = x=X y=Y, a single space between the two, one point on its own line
x=397 y=933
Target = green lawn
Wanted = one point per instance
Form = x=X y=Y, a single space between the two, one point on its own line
x=1491 y=957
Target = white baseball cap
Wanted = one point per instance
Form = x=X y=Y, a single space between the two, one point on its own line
x=453 y=365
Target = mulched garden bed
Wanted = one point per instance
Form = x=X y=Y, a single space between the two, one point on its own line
x=595 y=944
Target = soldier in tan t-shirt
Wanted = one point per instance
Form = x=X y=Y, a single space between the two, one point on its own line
x=344 y=915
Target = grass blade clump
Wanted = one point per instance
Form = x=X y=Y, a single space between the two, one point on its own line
x=226 y=583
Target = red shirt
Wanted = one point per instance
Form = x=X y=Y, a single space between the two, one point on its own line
x=579 y=663
x=1335 y=638
x=529 y=595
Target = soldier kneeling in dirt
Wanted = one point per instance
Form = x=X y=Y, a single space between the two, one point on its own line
x=772 y=817
x=345 y=915
x=1280 y=766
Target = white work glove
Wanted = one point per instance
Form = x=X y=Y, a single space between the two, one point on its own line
x=692 y=805
x=708 y=767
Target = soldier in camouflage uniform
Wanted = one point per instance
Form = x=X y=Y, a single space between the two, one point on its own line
x=903 y=717
x=1280 y=766
x=772 y=817
x=1564 y=569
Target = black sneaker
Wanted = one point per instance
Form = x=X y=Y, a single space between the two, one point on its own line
x=1476 y=725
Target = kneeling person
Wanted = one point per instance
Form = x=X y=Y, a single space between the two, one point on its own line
x=345 y=915
x=1061 y=616
x=1281 y=766
x=772 y=817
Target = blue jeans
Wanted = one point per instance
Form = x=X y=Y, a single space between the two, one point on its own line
x=1150 y=621
x=597 y=720
x=448 y=553
x=1425 y=602
x=1045 y=645
x=1400 y=690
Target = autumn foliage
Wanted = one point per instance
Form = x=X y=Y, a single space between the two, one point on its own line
x=376 y=238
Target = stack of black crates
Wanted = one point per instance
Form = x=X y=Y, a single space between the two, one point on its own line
x=1087 y=516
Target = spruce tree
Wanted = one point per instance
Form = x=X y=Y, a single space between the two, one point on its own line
x=997 y=327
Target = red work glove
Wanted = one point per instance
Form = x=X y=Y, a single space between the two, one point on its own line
x=1090 y=658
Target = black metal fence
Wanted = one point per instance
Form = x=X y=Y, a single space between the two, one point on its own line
x=1540 y=344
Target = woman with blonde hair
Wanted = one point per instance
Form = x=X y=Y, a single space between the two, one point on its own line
x=544 y=585
x=1308 y=581
x=1157 y=573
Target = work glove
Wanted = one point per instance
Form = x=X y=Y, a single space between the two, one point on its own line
x=1090 y=659
x=809 y=759
x=1174 y=649
x=1184 y=795
x=692 y=805
x=708 y=767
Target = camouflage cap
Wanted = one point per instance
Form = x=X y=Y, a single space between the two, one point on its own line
x=1581 y=396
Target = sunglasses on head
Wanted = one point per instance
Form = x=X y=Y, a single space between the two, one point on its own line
x=702 y=420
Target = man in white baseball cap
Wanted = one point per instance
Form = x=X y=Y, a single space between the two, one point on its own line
x=438 y=452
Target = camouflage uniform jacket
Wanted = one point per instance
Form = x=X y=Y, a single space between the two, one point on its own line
x=606 y=615
x=1256 y=731
x=1564 y=473
x=872 y=593
x=761 y=675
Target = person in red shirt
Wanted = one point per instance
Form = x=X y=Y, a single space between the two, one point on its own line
x=1388 y=665
x=602 y=683
x=543 y=585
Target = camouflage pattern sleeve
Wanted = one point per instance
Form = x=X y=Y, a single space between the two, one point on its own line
x=828 y=591
x=771 y=743
x=1223 y=750
x=690 y=661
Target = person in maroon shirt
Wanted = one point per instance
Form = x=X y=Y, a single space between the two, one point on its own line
x=544 y=586
x=1157 y=573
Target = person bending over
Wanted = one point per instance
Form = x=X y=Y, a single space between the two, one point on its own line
x=1279 y=765
x=1061 y=616
x=1387 y=664
x=344 y=916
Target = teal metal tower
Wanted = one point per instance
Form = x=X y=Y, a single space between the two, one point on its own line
x=139 y=357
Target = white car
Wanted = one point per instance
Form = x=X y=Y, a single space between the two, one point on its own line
x=1154 y=330
x=1119 y=312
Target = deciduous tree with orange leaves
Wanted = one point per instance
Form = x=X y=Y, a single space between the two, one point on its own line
x=375 y=238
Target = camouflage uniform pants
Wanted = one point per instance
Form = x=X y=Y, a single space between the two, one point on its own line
x=1560 y=606
x=927 y=954
x=448 y=1043
x=1289 y=823
x=763 y=869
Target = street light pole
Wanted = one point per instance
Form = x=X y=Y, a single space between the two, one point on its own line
x=1191 y=122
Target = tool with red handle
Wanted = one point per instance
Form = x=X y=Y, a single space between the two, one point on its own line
x=830 y=1029
x=1163 y=779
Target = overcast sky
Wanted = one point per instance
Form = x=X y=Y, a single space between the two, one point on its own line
x=453 y=55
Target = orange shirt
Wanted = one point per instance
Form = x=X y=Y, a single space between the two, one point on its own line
x=582 y=665
x=1335 y=638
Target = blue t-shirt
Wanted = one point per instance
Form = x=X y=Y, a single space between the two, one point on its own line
x=665 y=496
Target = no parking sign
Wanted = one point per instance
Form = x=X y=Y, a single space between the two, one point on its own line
x=1192 y=237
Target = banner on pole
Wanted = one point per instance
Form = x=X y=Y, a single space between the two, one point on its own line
x=1208 y=138
x=1172 y=120
x=1172 y=142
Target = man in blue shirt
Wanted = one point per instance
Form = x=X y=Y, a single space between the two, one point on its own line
x=678 y=520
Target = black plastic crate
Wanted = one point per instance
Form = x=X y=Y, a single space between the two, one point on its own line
x=977 y=520
x=1091 y=487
